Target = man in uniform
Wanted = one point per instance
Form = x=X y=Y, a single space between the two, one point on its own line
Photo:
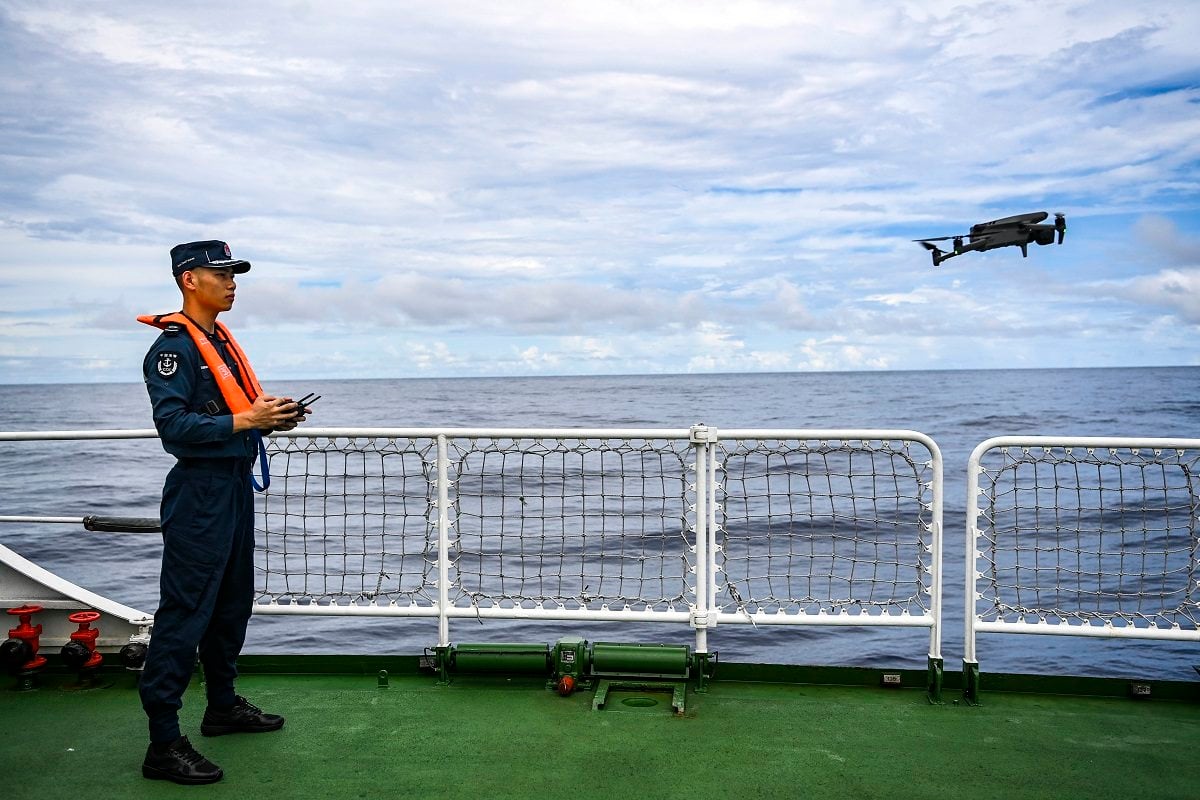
x=210 y=413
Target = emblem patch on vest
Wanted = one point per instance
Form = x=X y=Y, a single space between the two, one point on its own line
x=168 y=364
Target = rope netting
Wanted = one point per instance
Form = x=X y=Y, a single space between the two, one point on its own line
x=572 y=523
x=348 y=521
x=551 y=522
x=826 y=527
x=1100 y=535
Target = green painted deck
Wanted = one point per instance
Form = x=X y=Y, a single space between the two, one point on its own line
x=494 y=737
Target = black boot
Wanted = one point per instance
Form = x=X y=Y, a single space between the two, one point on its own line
x=243 y=717
x=177 y=761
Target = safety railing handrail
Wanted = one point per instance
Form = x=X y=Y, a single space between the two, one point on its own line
x=843 y=434
x=704 y=612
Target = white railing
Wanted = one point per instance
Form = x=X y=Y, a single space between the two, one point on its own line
x=1082 y=537
x=691 y=526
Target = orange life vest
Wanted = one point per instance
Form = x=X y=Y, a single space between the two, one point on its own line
x=236 y=398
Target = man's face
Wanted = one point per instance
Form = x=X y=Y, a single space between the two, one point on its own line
x=214 y=288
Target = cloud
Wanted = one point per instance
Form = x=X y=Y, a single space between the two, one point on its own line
x=1173 y=290
x=835 y=354
x=433 y=356
x=1174 y=287
x=1166 y=240
x=609 y=185
x=591 y=348
x=563 y=307
x=534 y=359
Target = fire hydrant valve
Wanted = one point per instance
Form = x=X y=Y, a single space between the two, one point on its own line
x=27 y=633
x=82 y=647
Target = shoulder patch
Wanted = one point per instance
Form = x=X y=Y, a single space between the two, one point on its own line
x=173 y=329
x=168 y=364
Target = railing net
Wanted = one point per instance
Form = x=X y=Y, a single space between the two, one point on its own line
x=571 y=523
x=827 y=527
x=559 y=523
x=348 y=521
x=1092 y=535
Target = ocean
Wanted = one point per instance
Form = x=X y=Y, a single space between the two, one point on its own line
x=958 y=409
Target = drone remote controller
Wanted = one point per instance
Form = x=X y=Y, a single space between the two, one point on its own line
x=304 y=402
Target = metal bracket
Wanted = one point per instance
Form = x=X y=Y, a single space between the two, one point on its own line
x=934 y=689
x=704 y=667
x=442 y=656
x=970 y=687
x=678 y=690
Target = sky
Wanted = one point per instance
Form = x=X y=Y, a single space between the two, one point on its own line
x=536 y=188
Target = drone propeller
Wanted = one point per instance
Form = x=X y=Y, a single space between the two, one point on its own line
x=926 y=244
x=1060 y=225
x=939 y=239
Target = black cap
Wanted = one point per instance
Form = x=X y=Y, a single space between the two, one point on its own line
x=212 y=254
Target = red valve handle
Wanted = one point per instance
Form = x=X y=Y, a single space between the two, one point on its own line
x=84 y=617
x=21 y=611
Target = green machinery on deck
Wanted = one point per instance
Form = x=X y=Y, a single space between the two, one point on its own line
x=572 y=663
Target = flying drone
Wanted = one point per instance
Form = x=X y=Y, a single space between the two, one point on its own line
x=1021 y=230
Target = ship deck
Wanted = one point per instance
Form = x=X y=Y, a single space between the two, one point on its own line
x=497 y=737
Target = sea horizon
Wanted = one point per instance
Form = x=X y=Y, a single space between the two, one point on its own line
x=602 y=375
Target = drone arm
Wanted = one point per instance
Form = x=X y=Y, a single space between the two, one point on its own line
x=941 y=255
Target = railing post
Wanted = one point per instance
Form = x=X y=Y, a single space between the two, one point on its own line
x=936 y=664
x=712 y=527
x=970 y=679
x=707 y=665
x=700 y=544
x=702 y=438
x=443 y=509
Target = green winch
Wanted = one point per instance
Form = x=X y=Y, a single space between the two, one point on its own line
x=572 y=663
x=514 y=659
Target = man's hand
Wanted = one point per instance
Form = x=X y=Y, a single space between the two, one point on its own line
x=296 y=418
x=268 y=413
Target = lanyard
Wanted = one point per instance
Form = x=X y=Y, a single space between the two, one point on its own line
x=263 y=464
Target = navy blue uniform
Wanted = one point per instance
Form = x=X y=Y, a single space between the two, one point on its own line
x=207 y=579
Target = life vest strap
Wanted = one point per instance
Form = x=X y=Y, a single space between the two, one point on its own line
x=264 y=465
x=238 y=396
